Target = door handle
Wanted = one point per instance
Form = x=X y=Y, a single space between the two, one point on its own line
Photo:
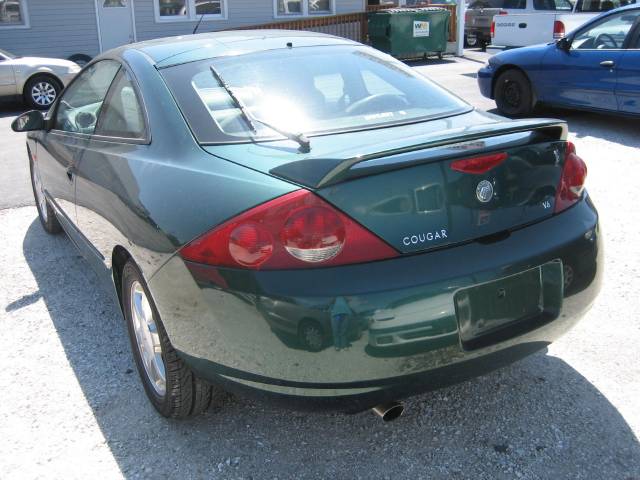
x=70 y=172
x=522 y=25
x=608 y=64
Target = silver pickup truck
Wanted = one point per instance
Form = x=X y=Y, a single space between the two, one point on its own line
x=479 y=15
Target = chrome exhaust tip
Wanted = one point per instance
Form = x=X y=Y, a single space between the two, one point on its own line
x=389 y=412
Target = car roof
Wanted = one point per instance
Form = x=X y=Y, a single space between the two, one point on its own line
x=631 y=6
x=187 y=48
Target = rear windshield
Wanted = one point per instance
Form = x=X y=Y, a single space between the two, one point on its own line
x=594 y=6
x=309 y=90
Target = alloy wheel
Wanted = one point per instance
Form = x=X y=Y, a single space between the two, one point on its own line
x=147 y=338
x=43 y=93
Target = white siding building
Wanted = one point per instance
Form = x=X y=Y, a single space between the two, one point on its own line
x=69 y=28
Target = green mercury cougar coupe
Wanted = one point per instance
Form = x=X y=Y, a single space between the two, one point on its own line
x=302 y=217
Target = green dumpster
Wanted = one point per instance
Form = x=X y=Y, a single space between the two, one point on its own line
x=410 y=32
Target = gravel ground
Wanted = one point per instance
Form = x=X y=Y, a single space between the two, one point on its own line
x=73 y=406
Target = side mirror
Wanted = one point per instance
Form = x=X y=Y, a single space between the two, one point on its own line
x=28 y=122
x=564 y=44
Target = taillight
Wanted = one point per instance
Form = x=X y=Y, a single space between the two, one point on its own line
x=478 y=165
x=503 y=12
x=558 y=30
x=493 y=29
x=297 y=230
x=574 y=174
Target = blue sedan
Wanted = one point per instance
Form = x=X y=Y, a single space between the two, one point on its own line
x=596 y=67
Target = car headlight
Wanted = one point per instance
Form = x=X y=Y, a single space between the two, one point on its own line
x=75 y=69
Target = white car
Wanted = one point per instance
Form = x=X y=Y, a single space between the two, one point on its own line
x=551 y=20
x=38 y=81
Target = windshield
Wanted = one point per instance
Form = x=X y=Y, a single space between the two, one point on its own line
x=308 y=90
x=594 y=6
x=7 y=54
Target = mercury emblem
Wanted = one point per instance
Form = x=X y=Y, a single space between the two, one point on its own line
x=484 y=191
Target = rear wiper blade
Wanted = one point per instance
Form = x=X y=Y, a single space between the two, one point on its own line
x=300 y=138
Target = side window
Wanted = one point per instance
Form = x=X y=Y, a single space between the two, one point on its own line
x=121 y=114
x=562 y=5
x=79 y=107
x=515 y=4
x=608 y=34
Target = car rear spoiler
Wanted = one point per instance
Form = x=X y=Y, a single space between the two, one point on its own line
x=321 y=172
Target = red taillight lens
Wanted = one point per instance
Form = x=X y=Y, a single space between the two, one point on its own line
x=297 y=230
x=250 y=244
x=558 y=30
x=503 y=12
x=479 y=165
x=574 y=174
x=313 y=234
x=493 y=29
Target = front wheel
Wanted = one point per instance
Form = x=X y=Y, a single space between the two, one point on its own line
x=173 y=389
x=41 y=91
x=513 y=94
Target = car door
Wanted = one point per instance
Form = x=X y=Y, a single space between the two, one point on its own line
x=107 y=192
x=72 y=123
x=7 y=77
x=628 y=86
x=585 y=74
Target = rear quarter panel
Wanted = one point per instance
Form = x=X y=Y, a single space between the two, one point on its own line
x=153 y=198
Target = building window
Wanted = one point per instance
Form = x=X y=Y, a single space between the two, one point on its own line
x=189 y=10
x=13 y=14
x=303 y=8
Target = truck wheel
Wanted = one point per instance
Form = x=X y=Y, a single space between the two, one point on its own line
x=470 y=42
x=173 y=389
x=46 y=214
x=41 y=91
x=513 y=94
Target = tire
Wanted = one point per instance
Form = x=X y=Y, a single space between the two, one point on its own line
x=470 y=44
x=180 y=394
x=311 y=335
x=513 y=94
x=80 y=58
x=46 y=214
x=41 y=91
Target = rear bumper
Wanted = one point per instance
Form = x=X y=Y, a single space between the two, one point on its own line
x=225 y=322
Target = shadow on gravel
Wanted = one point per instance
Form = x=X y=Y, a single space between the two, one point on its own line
x=616 y=129
x=11 y=108
x=429 y=61
x=536 y=419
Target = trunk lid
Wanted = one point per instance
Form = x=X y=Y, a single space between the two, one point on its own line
x=411 y=197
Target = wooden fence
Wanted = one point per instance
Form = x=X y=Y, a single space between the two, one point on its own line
x=350 y=25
